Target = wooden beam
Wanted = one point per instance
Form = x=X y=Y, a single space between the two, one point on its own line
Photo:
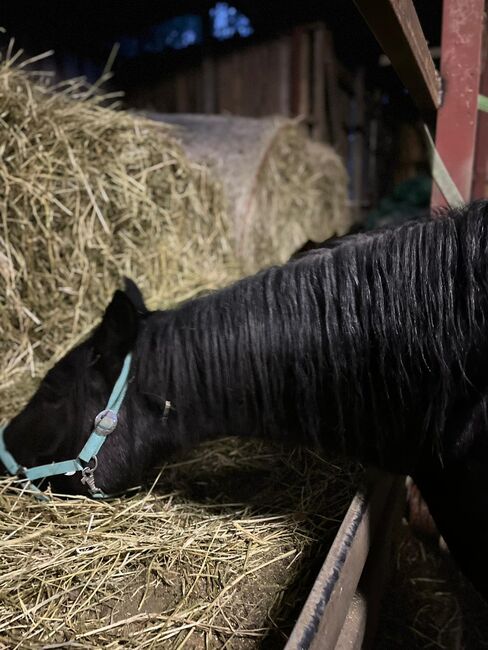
x=360 y=626
x=462 y=29
x=322 y=618
x=396 y=26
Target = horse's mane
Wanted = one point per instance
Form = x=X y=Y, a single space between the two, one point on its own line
x=380 y=325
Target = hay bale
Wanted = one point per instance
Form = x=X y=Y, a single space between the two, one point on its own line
x=87 y=194
x=281 y=188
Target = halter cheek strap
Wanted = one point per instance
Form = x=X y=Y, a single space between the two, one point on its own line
x=105 y=422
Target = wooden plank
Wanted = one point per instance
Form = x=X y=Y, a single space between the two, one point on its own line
x=284 y=64
x=396 y=26
x=304 y=75
x=208 y=83
x=336 y=131
x=462 y=28
x=359 y=629
x=321 y=620
x=357 y=144
x=272 y=71
x=296 y=53
x=318 y=83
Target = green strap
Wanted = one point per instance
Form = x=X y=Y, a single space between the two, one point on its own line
x=483 y=103
x=89 y=451
x=11 y=465
x=440 y=174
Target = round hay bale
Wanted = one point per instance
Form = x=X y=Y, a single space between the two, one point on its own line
x=281 y=188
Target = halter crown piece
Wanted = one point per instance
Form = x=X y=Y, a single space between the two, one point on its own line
x=105 y=423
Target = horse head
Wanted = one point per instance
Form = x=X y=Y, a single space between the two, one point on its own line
x=59 y=417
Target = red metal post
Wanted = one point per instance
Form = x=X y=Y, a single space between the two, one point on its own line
x=480 y=180
x=462 y=28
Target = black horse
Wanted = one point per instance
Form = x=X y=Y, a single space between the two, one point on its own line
x=375 y=346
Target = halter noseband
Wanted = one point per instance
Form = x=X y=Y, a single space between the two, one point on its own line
x=105 y=423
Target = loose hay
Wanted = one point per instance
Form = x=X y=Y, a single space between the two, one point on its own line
x=215 y=555
x=87 y=194
x=281 y=188
x=218 y=554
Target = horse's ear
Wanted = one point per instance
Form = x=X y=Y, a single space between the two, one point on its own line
x=135 y=295
x=116 y=334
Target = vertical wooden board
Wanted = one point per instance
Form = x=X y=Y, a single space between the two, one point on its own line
x=243 y=67
x=237 y=85
x=180 y=92
x=274 y=77
x=268 y=80
x=295 y=69
x=265 y=82
x=342 y=145
x=304 y=107
x=255 y=85
x=462 y=26
x=357 y=144
x=284 y=75
x=359 y=629
x=332 y=90
x=318 y=81
x=320 y=622
x=372 y=174
x=225 y=85
x=251 y=61
x=209 y=100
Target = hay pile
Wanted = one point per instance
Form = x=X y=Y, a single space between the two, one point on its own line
x=218 y=555
x=281 y=188
x=87 y=194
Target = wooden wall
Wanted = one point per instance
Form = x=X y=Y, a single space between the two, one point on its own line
x=296 y=75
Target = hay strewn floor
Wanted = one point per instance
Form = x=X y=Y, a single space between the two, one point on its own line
x=219 y=554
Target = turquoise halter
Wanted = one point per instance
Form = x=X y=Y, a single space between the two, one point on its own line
x=105 y=424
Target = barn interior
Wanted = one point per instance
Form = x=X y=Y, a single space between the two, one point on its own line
x=318 y=63
x=313 y=60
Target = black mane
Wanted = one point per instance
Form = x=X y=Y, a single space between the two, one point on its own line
x=375 y=338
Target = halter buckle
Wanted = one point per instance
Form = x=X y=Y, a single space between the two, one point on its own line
x=106 y=422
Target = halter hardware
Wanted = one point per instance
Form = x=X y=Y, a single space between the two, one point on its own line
x=105 y=423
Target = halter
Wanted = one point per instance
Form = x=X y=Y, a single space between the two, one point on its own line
x=105 y=423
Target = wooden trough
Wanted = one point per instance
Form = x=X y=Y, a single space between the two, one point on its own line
x=342 y=608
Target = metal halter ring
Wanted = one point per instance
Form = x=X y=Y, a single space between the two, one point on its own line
x=106 y=422
x=90 y=470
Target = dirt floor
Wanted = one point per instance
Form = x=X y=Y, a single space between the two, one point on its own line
x=428 y=604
